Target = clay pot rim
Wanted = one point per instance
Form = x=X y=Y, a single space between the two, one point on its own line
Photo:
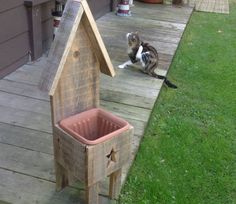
x=63 y=124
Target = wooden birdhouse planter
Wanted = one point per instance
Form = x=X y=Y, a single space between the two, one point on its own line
x=89 y=143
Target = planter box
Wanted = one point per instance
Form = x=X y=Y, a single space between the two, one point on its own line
x=91 y=164
x=89 y=144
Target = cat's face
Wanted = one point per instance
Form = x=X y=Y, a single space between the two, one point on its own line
x=133 y=39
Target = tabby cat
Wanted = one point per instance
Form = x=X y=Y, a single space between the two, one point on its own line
x=139 y=51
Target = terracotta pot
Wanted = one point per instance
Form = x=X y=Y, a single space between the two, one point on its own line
x=153 y=1
x=94 y=126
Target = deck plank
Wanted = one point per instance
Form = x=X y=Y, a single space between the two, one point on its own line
x=18 y=188
x=215 y=6
x=26 y=138
x=26 y=152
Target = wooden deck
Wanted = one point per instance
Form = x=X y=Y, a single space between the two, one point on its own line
x=214 y=6
x=26 y=151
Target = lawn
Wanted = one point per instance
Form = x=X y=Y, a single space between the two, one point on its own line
x=188 y=154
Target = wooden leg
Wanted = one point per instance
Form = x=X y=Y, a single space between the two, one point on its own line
x=115 y=184
x=92 y=194
x=61 y=177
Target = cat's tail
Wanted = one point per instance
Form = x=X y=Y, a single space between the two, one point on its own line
x=166 y=81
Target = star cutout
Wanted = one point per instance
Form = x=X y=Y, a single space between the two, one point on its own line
x=111 y=157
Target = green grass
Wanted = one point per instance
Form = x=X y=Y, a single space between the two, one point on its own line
x=188 y=154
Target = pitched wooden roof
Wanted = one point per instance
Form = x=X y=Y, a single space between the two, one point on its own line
x=76 y=12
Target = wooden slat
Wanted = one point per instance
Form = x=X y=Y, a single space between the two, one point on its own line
x=23 y=118
x=26 y=138
x=216 y=6
x=23 y=189
x=122 y=110
x=26 y=76
x=99 y=165
x=23 y=89
x=77 y=89
x=24 y=103
x=61 y=45
x=28 y=162
x=110 y=94
x=96 y=39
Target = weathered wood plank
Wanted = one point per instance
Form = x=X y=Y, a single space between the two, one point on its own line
x=25 y=118
x=110 y=21
x=61 y=45
x=23 y=89
x=112 y=95
x=31 y=91
x=216 y=6
x=23 y=76
x=24 y=103
x=28 y=162
x=97 y=42
x=162 y=12
x=23 y=189
x=26 y=138
x=122 y=110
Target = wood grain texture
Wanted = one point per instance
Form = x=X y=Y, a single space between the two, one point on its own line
x=215 y=6
x=106 y=66
x=26 y=138
x=92 y=193
x=115 y=184
x=99 y=165
x=78 y=87
x=62 y=45
x=70 y=154
x=35 y=190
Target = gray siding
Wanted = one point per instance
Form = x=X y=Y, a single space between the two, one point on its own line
x=14 y=36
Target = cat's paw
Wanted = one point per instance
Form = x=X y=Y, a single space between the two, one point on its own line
x=121 y=66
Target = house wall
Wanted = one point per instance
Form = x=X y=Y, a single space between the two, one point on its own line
x=14 y=36
x=47 y=23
